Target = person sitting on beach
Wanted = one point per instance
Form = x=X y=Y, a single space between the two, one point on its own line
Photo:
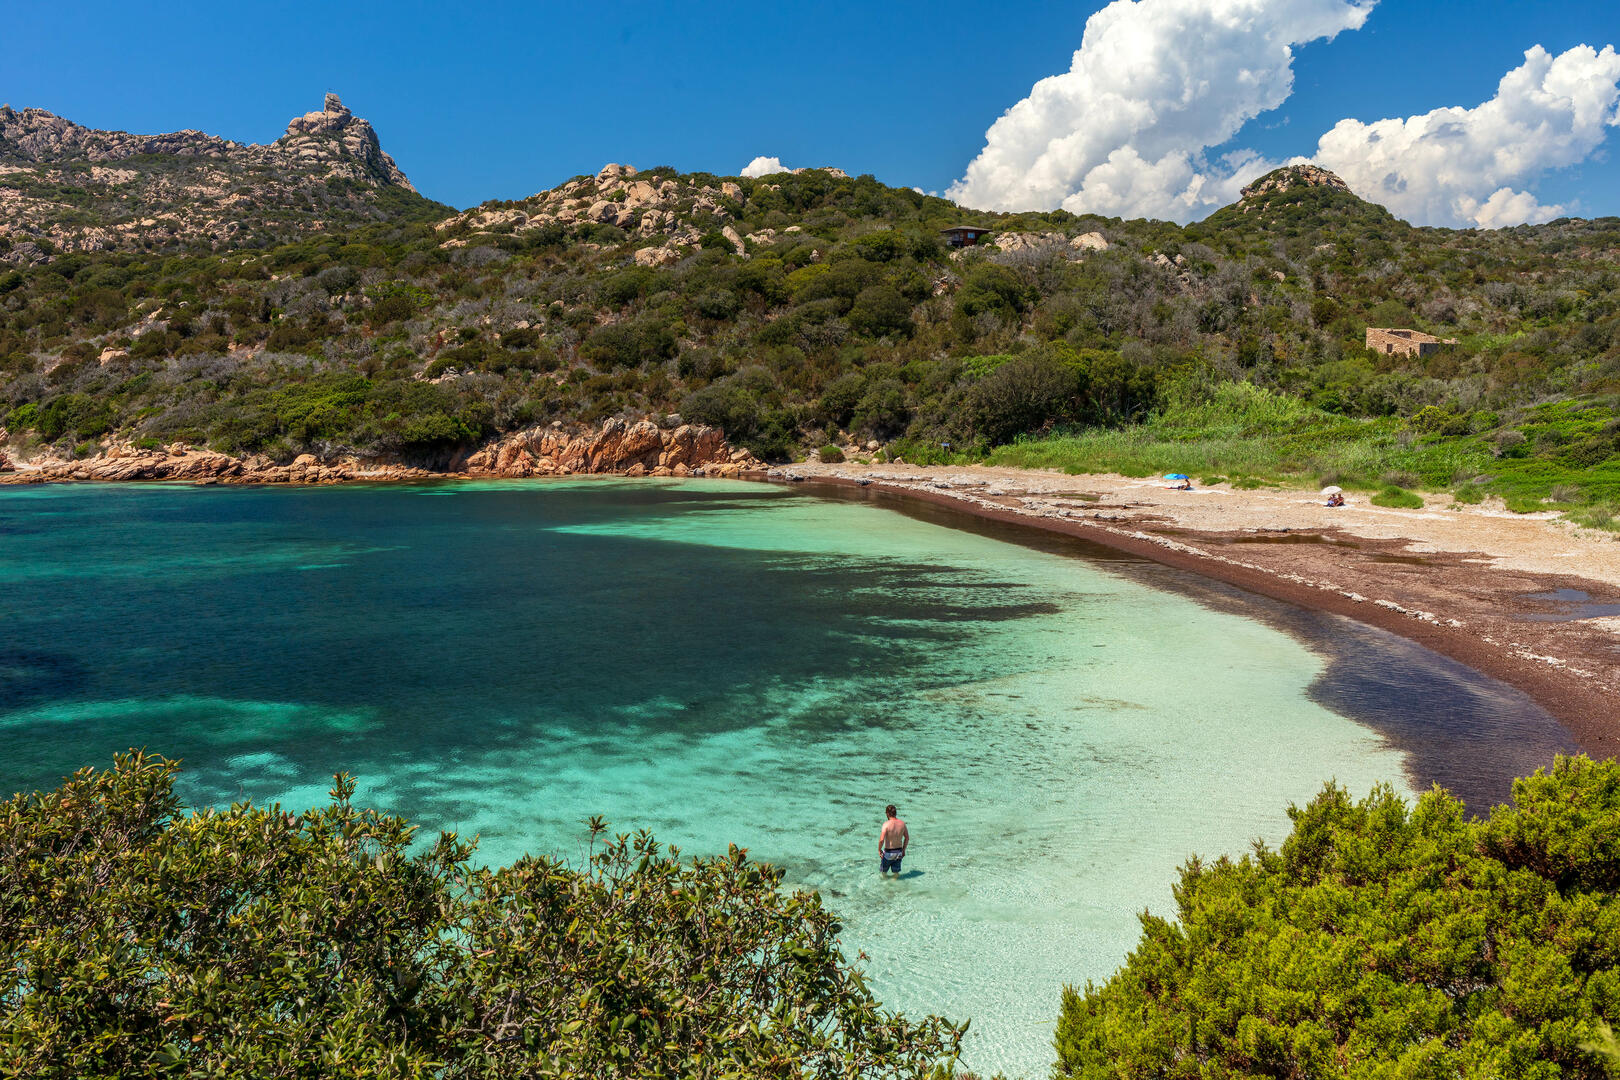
x=1336 y=499
x=893 y=839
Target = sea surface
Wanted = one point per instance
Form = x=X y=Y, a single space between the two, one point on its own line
x=724 y=663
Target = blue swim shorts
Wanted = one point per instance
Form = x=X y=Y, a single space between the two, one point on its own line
x=890 y=860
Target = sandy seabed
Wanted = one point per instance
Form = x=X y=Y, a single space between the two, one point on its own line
x=1532 y=600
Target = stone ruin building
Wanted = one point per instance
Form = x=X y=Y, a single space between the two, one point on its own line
x=1393 y=342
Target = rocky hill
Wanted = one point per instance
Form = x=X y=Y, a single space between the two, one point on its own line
x=663 y=209
x=1301 y=196
x=65 y=188
x=1289 y=177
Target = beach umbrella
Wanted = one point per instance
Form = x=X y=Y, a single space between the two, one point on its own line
x=1176 y=476
x=1332 y=489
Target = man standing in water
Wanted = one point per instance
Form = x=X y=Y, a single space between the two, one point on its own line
x=892 y=842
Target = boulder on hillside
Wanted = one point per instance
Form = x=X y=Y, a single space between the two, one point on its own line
x=657 y=256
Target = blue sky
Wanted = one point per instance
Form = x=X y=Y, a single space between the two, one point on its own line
x=502 y=100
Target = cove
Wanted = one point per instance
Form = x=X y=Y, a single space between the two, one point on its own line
x=730 y=663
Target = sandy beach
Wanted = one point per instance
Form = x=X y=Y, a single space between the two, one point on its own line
x=1528 y=599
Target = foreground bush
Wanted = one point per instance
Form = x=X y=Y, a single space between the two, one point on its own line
x=136 y=939
x=1382 y=940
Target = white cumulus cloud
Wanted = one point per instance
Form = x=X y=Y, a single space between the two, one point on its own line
x=1458 y=166
x=763 y=166
x=1153 y=84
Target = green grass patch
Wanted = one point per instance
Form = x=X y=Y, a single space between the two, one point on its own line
x=1566 y=451
x=1397 y=498
x=1266 y=442
x=1601 y=516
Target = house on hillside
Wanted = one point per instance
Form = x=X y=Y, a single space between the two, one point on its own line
x=963 y=235
x=1393 y=342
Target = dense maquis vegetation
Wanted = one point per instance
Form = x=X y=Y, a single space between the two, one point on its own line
x=1382 y=940
x=1235 y=342
x=140 y=940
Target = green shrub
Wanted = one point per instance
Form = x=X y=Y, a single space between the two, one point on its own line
x=1020 y=396
x=1433 y=420
x=882 y=410
x=992 y=289
x=880 y=310
x=24 y=417
x=627 y=285
x=1409 y=940
x=747 y=407
x=838 y=401
x=830 y=454
x=140 y=940
x=1470 y=494
x=78 y=415
x=715 y=241
x=1397 y=498
x=628 y=344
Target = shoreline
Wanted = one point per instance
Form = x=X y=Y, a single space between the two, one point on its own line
x=1473 y=602
x=1567 y=668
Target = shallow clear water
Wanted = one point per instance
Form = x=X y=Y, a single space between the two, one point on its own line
x=730 y=663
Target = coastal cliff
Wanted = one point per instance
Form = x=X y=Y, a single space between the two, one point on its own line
x=640 y=448
x=618 y=447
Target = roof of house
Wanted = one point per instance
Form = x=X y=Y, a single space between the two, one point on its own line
x=1395 y=331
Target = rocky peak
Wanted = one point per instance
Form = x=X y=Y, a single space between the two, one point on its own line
x=337 y=136
x=333 y=117
x=1292 y=176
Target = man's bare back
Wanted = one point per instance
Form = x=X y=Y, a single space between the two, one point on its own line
x=893 y=839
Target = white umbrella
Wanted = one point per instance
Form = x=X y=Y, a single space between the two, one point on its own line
x=1332 y=489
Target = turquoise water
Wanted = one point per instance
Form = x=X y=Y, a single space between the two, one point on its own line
x=729 y=663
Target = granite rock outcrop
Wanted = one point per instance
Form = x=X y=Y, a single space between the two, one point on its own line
x=1281 y=180
x=620 y=447
x=1029 y=243
x=628 y=448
